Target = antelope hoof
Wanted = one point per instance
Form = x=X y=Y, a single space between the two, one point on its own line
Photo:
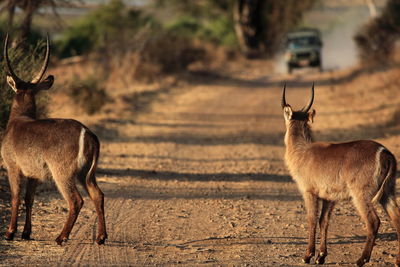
x=9 y=236
x=101 y=239
x=26 y=236
x=307 y=259
x=320 y=259
x=61 y=239
x=362 y=261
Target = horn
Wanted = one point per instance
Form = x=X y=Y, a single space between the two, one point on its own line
x=40 y=74
x=283 y=101
x=10 y=70
x=307 y=108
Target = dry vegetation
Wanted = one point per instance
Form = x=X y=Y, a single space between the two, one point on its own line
x=376 y=39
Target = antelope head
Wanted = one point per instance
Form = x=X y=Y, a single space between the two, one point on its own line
x=304 y=114
x=36 y=84
x=297 y=122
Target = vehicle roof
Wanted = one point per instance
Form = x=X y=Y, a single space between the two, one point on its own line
x=303 y=33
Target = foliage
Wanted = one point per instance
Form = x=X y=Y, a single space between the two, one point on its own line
x=88 y=93
x=185 y=26
x=199 y=8
x=114 y=26
x=109 y=26
x=205 y=19
x=117 y=33
x=6 y=95
x=169 y=52
x=376 y=39
x=28 y=8
x=25 y=64
x=218 y=30
x=257 y=25
x=34 y=39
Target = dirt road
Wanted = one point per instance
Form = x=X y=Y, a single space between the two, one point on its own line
x=199 y=178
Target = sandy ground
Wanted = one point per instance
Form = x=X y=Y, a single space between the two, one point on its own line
x=195 y=176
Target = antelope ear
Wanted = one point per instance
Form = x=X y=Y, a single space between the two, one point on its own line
x=287 y=113
x=45 y=84
x=12 y=83
x=311 y=116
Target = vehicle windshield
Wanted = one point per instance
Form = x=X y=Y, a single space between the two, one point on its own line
x=300 y=42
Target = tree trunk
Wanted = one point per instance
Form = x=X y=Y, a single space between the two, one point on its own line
x=238 y=27
x=26 y=22
x=11 y=13
x=29 y=7
x=372 y=8
x=246 y=17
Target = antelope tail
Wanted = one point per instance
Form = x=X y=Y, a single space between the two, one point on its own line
x=93 y=166
x=381 y=190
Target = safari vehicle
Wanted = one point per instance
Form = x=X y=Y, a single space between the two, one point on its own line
x=303 y=49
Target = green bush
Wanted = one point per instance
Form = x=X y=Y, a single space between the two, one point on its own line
x=108 y=26
x=120 y=34
x=115 y=26
x=185 y=26
x=88 y=93
x=218 y=29
x=221 y=31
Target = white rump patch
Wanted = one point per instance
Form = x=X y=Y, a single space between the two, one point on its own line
x=81 y=157
x=378 y=166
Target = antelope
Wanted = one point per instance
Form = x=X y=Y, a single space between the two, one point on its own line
x=35 y=150
x=363 y=171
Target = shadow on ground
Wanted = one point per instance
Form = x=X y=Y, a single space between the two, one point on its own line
x=206 y=77
x=204 y=190
x=109 y=134
x=203 y=177
x=376 y=131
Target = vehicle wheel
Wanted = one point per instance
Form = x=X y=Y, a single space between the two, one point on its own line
x=289 y=69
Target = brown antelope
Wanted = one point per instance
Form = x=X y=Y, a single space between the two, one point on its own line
x=363 y=171
x=36 y=149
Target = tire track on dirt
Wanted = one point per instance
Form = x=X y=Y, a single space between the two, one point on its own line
x=82 y=248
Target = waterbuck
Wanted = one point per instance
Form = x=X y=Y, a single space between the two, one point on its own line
x=363 y=171
x=36 y=149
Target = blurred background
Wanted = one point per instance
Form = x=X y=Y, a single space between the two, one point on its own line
x=144 y=40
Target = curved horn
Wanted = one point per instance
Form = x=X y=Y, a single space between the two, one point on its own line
x=40 y=74
x=10 y=70
x=307 y=108
x=283 y=101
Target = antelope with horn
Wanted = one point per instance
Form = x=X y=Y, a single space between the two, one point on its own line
x=33 y=149
x=363 y=171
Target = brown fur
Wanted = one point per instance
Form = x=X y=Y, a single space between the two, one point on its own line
x=363 y=171
x=37 y=149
